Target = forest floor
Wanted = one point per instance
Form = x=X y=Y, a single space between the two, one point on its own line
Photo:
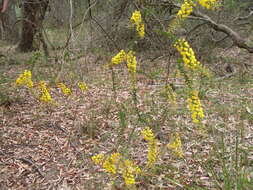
x=49 y=146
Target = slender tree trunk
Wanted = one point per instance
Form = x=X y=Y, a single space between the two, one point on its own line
x=8 y=29
x=33 y=15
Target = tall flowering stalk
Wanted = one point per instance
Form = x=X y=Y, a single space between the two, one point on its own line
x=137 y=22
x=152 y=146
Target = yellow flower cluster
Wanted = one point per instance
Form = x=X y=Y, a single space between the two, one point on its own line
x=25 y=79
x=131 y=62
x=98 y=159
x=82 y=86
x=137 y=21
x=44 y=92
x=187 y=53
x=119 y=58
x=116 y=164
x=152 y=146
x=129 y=170
x=65 y=90
x=186 y=9
x=176 y=146
x=129 y=57
x=110 y=164
x=147 y=134
x=208 y=4
x=195 y=107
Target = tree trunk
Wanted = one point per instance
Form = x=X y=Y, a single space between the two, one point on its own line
x=33 y=15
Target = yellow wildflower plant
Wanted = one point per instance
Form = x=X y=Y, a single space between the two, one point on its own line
x=82 y=86
x=119 y=58
x=65 y=90
x=195 y=107
x=148 y=135
x=208 y=4
x=187 y=54
x=44 y=92
x=137 y=21
x=176 y=146
x=131 y=62
x=25 y=79
x=186 y=9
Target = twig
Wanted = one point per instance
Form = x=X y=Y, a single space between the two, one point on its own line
x=30 y=163
x=245 y=17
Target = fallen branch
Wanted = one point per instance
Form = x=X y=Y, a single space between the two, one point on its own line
x=237 y=39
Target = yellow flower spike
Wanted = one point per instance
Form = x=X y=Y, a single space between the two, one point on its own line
x=128 y=177
x=109 y=166
x=82 y=86
x=98 y=159
x=65 y=90
x=136 y=17
x=195 y=107
x=141 y=30
x=129 y=170
x=111 y=163
x=185 y=10
x=137 y=21
x=44 y=92
x=147 y=134
x=131 y=62
x=176 y=146
x=187 y=54
x=152 y=152
x=208 y=4
x=25 y=79
x=115 y=164
x=119 y=58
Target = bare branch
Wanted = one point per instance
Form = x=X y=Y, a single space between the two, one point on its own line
x=237 y=39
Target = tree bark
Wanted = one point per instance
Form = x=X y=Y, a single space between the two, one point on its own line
x=33 y=15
